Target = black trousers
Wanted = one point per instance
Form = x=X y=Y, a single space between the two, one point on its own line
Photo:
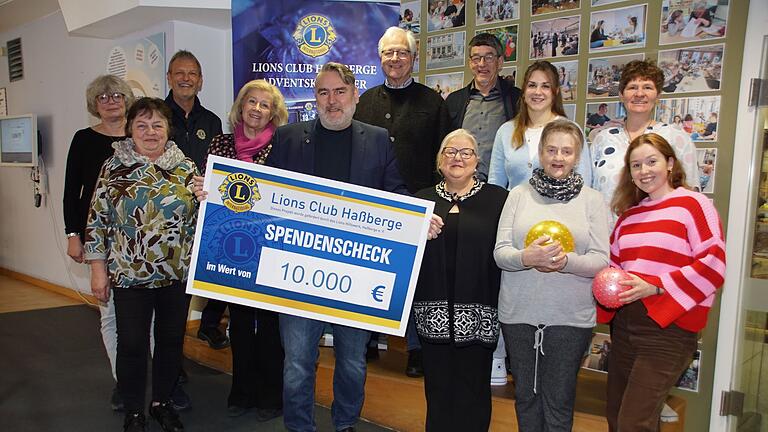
x=257 y=359
x=212 y=312
x=457 y=385
x=133 y=311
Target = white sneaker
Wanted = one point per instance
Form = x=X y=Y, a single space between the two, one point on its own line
x=498 y=372
x=668 y=415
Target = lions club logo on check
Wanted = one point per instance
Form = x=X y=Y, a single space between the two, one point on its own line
x=314 y=35
x=239 y=191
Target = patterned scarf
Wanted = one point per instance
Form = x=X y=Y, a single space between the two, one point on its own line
x=245 y=147
x=559 y=189
x=454 y=197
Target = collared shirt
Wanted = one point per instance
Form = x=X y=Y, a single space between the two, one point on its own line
x=484 y=116
x=406 y=84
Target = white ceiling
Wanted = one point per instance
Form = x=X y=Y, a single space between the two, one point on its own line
x=14 y=13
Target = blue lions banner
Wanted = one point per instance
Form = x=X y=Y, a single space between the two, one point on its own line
x=286 y=42
x=308 y=246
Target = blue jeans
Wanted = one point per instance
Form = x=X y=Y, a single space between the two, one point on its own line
x=300 y=337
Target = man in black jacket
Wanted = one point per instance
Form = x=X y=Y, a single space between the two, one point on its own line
x=488 y=101
x=193 y=129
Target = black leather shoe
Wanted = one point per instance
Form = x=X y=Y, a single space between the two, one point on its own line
x=236 y=411
x=135 y=422
x=267 y=414
x=414 y=367
x=180 y=399
x=167 y=417
x=215 y=338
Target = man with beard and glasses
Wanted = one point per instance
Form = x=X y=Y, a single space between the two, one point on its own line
x=336 y=147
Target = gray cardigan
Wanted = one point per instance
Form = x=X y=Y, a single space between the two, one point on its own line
x=528 y=296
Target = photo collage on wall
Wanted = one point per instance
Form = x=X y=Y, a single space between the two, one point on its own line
x=690 y=51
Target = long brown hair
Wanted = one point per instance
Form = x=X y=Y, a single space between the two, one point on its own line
x=627 y=194
x=522 y=120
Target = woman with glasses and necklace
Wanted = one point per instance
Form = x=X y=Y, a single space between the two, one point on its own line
x=516 y=148
x=107 y=98
x=546 y=308
x=456 y=296
x=639 y=90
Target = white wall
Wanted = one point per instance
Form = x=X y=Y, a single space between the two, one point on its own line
x=57 y=69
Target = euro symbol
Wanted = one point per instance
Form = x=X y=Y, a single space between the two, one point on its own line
x=377 y=293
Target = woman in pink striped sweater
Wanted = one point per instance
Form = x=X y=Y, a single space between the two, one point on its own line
x=670 y=240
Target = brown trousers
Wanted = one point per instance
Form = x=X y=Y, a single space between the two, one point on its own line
x=645 y=362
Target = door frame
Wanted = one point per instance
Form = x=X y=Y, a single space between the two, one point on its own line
x=740 y=222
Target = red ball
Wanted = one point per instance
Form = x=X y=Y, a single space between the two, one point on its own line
x=606 y=287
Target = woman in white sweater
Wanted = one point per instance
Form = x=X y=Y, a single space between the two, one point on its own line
x=545 y=302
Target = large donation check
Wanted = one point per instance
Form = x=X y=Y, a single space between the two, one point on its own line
x=308 y=246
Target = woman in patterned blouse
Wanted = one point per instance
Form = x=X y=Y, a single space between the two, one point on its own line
x=138 y=242
x=257 y=357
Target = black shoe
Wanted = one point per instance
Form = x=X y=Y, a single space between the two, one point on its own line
x=116 y=401
x=215 y=338
x=267 y=414
x=134 y=422
x=372 y=353
x=183 y=377
x=236 y=411
x=180 y=399
x=167 y=417
x=414 y=367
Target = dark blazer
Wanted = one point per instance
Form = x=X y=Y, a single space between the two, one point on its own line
x=457 y=101
x=373 y=158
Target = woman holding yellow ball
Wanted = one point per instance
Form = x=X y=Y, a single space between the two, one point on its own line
x=546 y=308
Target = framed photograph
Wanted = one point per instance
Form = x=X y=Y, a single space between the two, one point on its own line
x=539 y=7
x=568 y=73
x=615 y=29
x=692 y=21
x=689 y=380
x=507 y=35
x=697 y=116
x=510 y=71
x=601 y=115
x=3 y=102
x=410 y=16
x=557 y=37
x=446 y=14
x=445 y=84
x=570 y=111
x=445 y=50
x=603 y=75
x=692 y=69
x=707 y=160
x=416 y=57
x=599 y=349
x=492 y=11
x=605 y=2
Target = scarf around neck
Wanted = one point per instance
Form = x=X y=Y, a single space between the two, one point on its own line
x=454 y=197
x=246 y=148
x=559 y=189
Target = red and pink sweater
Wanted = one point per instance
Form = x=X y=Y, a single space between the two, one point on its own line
x=676 y=243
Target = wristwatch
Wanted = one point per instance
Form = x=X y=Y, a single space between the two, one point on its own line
x=72 y=234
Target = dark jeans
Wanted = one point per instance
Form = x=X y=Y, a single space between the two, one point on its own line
x=257 y=359
x=550 y=407
x=456 y=386
x=645 y=361
x=133 y=310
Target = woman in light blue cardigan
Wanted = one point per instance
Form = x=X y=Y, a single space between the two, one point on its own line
x=515 y=149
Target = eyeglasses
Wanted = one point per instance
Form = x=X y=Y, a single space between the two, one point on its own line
x=451 y=152
x=489 y=58
x=401 y=54
x=116 y=98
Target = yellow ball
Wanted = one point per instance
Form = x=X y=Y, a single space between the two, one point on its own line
x=556 y=232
